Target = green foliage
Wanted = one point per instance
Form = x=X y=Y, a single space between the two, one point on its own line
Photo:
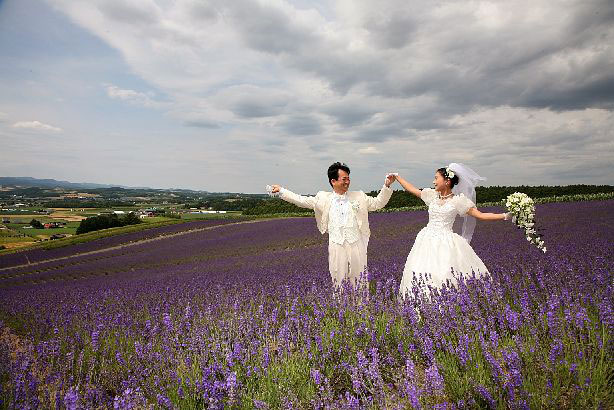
x=105 y=221
x=171 y=214
x=34 y=223
x=29 y=192
x=225 y=203
x=274 y=206
x=241 y=204
x=402 y=199
x=75 y=203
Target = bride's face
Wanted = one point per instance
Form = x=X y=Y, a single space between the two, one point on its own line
x=439 y=183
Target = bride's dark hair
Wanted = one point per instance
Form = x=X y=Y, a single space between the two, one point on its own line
x=444 y=173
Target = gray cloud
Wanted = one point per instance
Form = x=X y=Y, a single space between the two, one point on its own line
x=255 y=109
x=391 y=31
x=201 y=124
x=597 y=92
x=301 y=125
x=349 y=113
x=125 y=12
x=270 y=29
x=254 y=102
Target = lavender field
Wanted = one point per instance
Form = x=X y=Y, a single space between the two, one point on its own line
x=38 y=255
x=243 y=316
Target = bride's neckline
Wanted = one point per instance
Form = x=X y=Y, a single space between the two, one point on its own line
x=441 y=200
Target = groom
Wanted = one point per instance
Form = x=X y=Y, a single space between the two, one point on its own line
x=343 y=215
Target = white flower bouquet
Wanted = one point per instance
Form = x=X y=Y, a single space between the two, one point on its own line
x=522 y=207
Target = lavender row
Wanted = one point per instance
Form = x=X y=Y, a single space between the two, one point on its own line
x=37 y=255
x=201 y=245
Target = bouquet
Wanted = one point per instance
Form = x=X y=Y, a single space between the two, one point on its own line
x=522 y=207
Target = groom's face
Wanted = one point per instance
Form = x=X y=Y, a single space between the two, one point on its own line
x=342 y=183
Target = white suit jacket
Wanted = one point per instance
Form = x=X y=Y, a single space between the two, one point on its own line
x=361 y=204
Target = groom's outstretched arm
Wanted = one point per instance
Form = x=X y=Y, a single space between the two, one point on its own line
x=296 y=199
x=382 y=198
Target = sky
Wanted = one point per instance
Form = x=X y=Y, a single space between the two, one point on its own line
x=229 y=96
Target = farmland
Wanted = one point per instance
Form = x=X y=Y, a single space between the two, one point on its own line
x=224 y=314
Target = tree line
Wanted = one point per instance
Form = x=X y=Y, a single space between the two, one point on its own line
x=401 y=198
x=104 y=221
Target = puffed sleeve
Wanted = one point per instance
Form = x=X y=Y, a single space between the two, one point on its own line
x=427 y=195
x=463 y=204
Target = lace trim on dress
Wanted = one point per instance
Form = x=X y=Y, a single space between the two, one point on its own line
x=463 y=204
x=428 y=195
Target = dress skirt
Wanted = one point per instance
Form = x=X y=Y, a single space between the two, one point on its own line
x=439 y=251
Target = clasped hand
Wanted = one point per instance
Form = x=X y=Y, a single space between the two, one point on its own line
x=390 y=178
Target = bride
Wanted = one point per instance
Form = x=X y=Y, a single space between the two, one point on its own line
x=439 y=251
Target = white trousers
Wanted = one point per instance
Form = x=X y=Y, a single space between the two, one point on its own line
x=347 y=261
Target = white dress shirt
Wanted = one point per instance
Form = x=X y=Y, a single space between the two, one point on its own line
x=342 y=224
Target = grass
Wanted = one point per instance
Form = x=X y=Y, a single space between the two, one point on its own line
x=90 y=236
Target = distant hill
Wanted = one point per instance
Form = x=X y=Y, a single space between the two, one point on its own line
x=29 y=182
x=51 y=183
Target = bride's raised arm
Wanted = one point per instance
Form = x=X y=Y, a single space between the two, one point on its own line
x=487 y=216
x=409 y=187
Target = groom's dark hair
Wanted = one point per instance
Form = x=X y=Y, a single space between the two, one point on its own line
x=333 y=171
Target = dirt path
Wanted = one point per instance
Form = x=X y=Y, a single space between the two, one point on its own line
x=140 y=242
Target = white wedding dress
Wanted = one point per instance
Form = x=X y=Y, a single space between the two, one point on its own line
x=437 y=249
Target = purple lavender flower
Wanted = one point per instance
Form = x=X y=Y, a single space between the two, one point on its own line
x=164 y=401
x=260 y=405
x=555 y=351
x=95 y=334
x=428 y=348
x=485 y=394
x=434 y=380
x=166 y=319
x=512 y=318
x=413 y=395
x=316 y=376
x=352 y=402
x=462 y=349
x=71 y=399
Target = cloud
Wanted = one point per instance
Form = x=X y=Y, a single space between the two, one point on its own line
x=201 y=123
x=369 y=151
x=249 y=101
x=301 y=125
x=462 y=55
x=36 y=126
x=132 y=96
x=349 y=112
